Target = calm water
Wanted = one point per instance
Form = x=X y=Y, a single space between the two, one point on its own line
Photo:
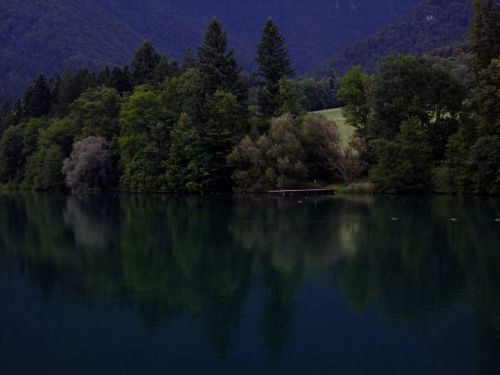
x=248 y=285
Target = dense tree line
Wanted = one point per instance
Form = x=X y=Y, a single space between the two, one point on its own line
x=158 y=125
x=419 y=128
x=201 y=125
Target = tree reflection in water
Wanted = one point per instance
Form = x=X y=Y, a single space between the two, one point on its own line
x=200 y=257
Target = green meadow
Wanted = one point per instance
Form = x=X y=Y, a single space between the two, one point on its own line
x=335 y=114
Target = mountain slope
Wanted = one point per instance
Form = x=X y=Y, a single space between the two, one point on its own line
x=49 y=36
x=431 y=25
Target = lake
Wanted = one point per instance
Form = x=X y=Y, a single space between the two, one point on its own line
x=249 y=285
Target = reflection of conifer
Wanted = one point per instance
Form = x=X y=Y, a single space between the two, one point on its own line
x=230 y=282
x=278 y=316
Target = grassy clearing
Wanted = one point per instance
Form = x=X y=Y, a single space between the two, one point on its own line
x=354 y=188
x=336 y=115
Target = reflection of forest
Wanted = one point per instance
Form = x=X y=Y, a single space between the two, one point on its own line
x=199 y=256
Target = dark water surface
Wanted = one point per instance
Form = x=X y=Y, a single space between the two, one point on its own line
x=249 y=285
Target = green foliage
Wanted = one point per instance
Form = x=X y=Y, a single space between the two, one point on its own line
x=404 y=164
x=43 y=168
x=353 y=95
x=472 y=158
x=337 y=116
x=293 y=153
x=182 y=93
x=11 y=155
x=318 y=95
x=217 y=65
x=179 y=130
x=290 y=98
x=412 y=87
x=145 y=136
x=485 y=98
x=17 y=145
x=274 y=66
x=404 y=89
x=145 y=62
x=321 y=141
x=485 y=33
x=36 y=101
x=454 y=175
x=186 y=160
x=8 y=117
x=485 y=163
x=121 y=80
x=31 y=134
x=224 y=127
x=276 y=160
x=64 y=93
x=95 y=113
x=68 y=88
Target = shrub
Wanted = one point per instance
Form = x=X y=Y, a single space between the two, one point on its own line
x=90 y=165
x=404 y=164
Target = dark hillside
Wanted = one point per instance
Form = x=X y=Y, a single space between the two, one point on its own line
x=52 y=35
x=432 y=25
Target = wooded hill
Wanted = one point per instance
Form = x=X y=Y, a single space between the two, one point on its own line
x=432 y=25
x=51 y=36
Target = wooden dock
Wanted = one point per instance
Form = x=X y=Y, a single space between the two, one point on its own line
x=300 y=192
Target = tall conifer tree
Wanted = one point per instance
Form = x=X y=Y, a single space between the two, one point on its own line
x=144 y=64
x=221 y=103
x=274 y=65
x=36 y=102
x=217 y=64
x=485 y=33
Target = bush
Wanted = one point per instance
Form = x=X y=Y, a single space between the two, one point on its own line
x=404 y=164
x=321 y=142
x=276 y=160
x=90 y=165
x=293 y=153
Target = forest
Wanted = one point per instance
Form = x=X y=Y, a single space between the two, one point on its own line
x=431 y=25
x=201 y=125
x=51 y=36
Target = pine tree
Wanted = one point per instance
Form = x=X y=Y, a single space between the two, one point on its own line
x=222 y=130
x=104 y=76
x=485 y=33
x=492 y=31
x=189 y=60
x=36 y=102
x=217 y=65
x=121 y=80
x=161 y=71
x=274 y=65
x=85 y=80
x=4 y=114
x=221 y=103
x=144 y=64
x=67 y=92
x=11 y=156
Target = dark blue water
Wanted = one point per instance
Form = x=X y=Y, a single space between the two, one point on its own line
x=246 y=285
